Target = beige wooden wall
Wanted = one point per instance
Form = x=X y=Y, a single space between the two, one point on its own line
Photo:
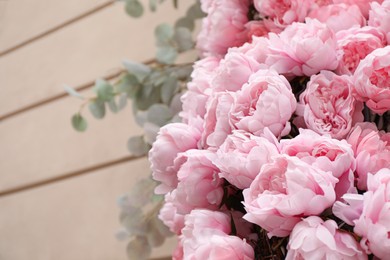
x=58 y=188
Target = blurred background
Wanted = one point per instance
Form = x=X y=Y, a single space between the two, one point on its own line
x=59 y=187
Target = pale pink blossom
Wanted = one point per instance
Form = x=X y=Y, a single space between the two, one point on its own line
x=321 y=151
x=234 y=71
x=349 y=208
x=372 y=80
x=354 y=44
x=199 y=184
x=284 y=191
x=364 y=5
x=199 y=90
x=374 y=222
x=327 y=105
x=302 y=49
x=172 y=139
x=239 y=158
x=313 y=238
x=283 y=12
x=217 y=124
x=372 y=151
x=379 y=16
x=170 y=215
x=223 y=27
x=339 y=16
x=325 y=153
x=266 y=101
x=206 y=236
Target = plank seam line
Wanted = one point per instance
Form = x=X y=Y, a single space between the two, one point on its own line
x=57 y=97
x=82 y=87
x=56 y=28
x=67 y=176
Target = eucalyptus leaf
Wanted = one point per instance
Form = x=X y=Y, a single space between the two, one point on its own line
x=168 y=89
x=157 y=78
x=113 y=106
x=104 y=90
x=79 y=123
x=166 y=55
x=97 y=109
x=195 y=11
x=122 y=101
x=153 y=5
x=183 y=72
x=141 y=117
x=143 y=102
x=139 y=70
x=163 y=33
x=150 y=132
x=137 y=146
x=159 y=114
x=183 y=39
x=185 y=22
x=129 y=84
x=72 y=92
x=134 y=8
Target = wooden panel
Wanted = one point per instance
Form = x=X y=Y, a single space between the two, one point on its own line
x=74 y=219
x=23 y=19
x=78 y=53
x=41 y=143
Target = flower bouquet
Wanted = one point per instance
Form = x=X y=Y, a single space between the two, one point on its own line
x=283 y=151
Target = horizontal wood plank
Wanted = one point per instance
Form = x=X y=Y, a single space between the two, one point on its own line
x=78 y=53
x=21 y=20
x=41 y=143
x=75 y=219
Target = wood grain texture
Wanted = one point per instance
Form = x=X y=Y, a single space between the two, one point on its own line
x=41 y=143
x=74 y=219
x=23 y=19
x=78 y=53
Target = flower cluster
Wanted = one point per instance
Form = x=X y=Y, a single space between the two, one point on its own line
x=284 y=147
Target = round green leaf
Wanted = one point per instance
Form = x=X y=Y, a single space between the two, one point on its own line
x=104 y=90
x=185 y=22
x=79 y=123
x=137 y=146
x=183 y=39
x=97 y=108
x=163 y=33
x=159 y=114
x=166 y=55
x=134 y=8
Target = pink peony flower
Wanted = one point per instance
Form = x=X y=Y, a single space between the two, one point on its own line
x=364 y=5
x=223 y=248
x=285 y=190
x=223 y=27
x=284 y=12
x=265 y=101
x=379 y=17
x=172 y=139
x=170 y=216
x=302 y=49
x=324 y=153
x=313 y=238
x=355 y=44
x=349 y=208
x=372 y=79
x=327 y=105
x=239 y=158
x=234 y=71
x=195 y=98
x=217 y=125
x=339 y=16
x=374 y=225
x=206 y=236
x=199 y=185
x=371 y=149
